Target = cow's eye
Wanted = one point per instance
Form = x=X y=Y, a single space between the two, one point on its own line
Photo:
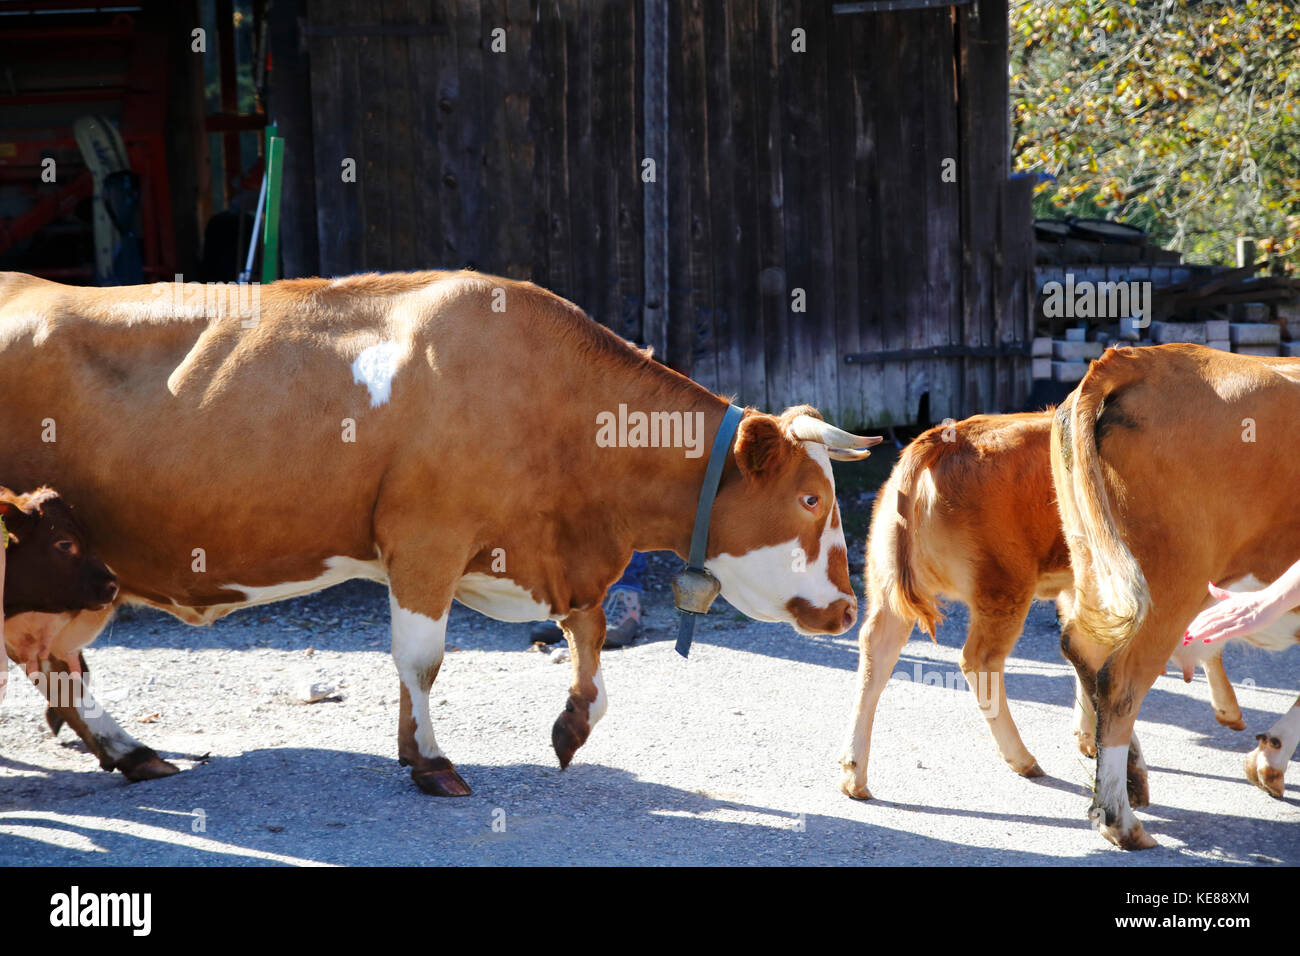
x=809 y=501
x=67 y=546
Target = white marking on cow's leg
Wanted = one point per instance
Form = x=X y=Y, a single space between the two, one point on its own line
x=375 y=368
x=880 y=640
x=601 y=703
x=1266 y=764
x=1110 y=802
x=115 y=741
x=418 y=645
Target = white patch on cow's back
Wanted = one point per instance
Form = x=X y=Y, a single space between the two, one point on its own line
x=418 y=645
x=375 y=368
x=601 y=703
x=501 y=598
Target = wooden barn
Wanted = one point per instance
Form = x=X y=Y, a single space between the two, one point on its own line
x=804 y=201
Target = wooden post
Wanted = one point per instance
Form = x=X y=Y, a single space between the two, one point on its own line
x=654 y=84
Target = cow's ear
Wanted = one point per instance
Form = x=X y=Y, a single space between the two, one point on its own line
x=761 y=448
x=15 y=519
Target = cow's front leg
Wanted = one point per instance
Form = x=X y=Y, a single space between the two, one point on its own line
x=1266 y=764
x=63 y=678
x=419 y=640
x=72 y=703
x=585 y=631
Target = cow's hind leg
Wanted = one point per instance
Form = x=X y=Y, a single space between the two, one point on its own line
x=1122 y=683
x=880 y=640
x=585 y=631
x=993 y=632
x=1266 y=764
x=419 y=640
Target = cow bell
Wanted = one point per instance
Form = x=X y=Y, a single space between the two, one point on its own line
x=694 y=590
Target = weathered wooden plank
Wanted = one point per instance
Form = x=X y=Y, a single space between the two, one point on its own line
x=471 y=133
x=723 y=213
x=517 y=261
x=374 y=174
x=425 y=53
x=981 y=85
x=625 y=160
x=799 y=164
x=399 y=171
x=341 y=220
x=943 y=216
x=892 y=221
x=656 y=196
x=843 y=90
x=774 y=288
x=694 y=120
x=745 y=301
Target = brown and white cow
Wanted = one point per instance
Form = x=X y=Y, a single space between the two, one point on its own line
x=969 y=514
x=435 y=431
x=1174 y=465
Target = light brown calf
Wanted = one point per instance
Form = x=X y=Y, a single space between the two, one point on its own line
x=969 y=515
x=1174 y=465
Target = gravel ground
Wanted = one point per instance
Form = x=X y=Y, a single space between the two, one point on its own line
x=728 y=758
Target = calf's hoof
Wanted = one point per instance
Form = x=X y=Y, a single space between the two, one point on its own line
x=1134 y=838
x=1260 y=772
x=1028 y=768
x=439 y=778
x=1231 y=721
x=853 y=784
x=1087 y=743
x=143 y=763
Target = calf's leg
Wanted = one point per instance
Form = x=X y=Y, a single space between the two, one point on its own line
x=993 y=632
x=1224 y=699
x=880 y=641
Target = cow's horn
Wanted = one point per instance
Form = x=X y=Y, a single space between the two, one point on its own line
x=842 y=445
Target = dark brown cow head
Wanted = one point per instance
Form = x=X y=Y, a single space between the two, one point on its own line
x=50 y=566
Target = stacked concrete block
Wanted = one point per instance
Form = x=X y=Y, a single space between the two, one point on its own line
x=1040 y=355
x=1217 y=335
x=1165 y=332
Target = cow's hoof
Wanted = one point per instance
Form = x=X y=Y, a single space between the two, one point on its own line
x=1231 y=721
x=1087 y=743
x=54 y=720
x=440 y=779
x=569 y=732
x=143 y=763
x=1029 y=770
x=1261 y=773
x=850 y=788
x=1134 y=838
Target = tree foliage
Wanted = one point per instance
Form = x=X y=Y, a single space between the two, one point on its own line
x=1175 y=115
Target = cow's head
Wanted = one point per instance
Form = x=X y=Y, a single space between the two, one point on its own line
x=50 y=566
x=776 y=543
